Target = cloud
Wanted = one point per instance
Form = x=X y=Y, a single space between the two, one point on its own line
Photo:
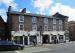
x=3 y=14
x=41 y=5
x=63 y=9
x=27 y=11
x=42 y=13
x=9 y=3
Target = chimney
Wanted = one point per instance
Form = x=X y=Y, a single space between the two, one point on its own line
x=24 y=10
x=9 y=8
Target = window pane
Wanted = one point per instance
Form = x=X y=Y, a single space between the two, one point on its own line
x=21 y=27
x=34 y=23
x=57 y=24
x=34 y=19
x=54 y=21
x=60 y=21
x=45 y=24
x=54 y=27
x=60 y=37
x=21 y=18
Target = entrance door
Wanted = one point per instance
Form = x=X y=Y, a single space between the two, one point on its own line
x=25 y=40
x=54 y=37
x=45 y=38
x=61 y=38
x=32 y=38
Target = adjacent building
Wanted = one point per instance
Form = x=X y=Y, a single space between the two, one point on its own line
x=2 y=29
x=25 y=27
x=71 y=29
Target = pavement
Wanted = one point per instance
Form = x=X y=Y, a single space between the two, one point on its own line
x=46 y=48
x=62 y=48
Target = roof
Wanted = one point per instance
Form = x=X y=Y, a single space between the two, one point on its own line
x=29 y=14
x=60 y=15
x=38 y=15
x=1 y=19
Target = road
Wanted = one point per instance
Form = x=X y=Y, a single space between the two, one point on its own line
x=54 y=48
x=7 y=51
x=63 y=49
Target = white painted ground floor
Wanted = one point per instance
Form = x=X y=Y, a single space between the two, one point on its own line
x=27 y=38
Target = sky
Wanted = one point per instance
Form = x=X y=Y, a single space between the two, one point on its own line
x=44 y=7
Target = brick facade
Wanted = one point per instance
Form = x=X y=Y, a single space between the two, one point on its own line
x=13 y=22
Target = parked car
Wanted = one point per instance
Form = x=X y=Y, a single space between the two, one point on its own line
x=9 y=45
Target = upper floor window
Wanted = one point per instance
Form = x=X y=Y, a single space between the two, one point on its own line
x=54 y=27
x=34 y=19
x=54 y=21
x=21 y=27
x=34 y=23
x=21 y=18
x=60 y=22
x=45 y=28
x=45 y=24
x=45 y=20
x=34 y=27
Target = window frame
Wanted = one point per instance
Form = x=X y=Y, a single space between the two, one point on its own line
x=20 y=27
x=45 y=24
x=34 y=23
x=21 y=17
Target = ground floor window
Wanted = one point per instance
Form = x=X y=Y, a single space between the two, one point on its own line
x=45 y=38
x=25 y=40
x=54 y=37
x=32 y=39
x=18 y=40
x=60 y=37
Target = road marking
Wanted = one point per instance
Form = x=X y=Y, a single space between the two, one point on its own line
x=40 y=49
x=18 y=52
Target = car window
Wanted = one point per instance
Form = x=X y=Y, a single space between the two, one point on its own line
x=6 y=43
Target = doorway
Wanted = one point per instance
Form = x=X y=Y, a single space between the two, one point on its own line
x=45 y=38
x=26 y=40
x=32 y=38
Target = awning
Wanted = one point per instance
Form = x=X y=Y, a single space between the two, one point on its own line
x=46 y=33
x=20 y=33
x=32 y=33
x=61 y=32
x=54 y=33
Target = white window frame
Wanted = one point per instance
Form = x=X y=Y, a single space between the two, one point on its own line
x=34 y=19
x=20 y=27
x=54 y=21
x=45 y=20
x=60 y=27
x=34 y=23
x=54 y=27
x=21 y=17
x=45 y=27
x=45 y=24
x=60 y=22
x=34 y=27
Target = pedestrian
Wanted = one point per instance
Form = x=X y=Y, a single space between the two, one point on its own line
x=34 y=42
x=55 y=41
